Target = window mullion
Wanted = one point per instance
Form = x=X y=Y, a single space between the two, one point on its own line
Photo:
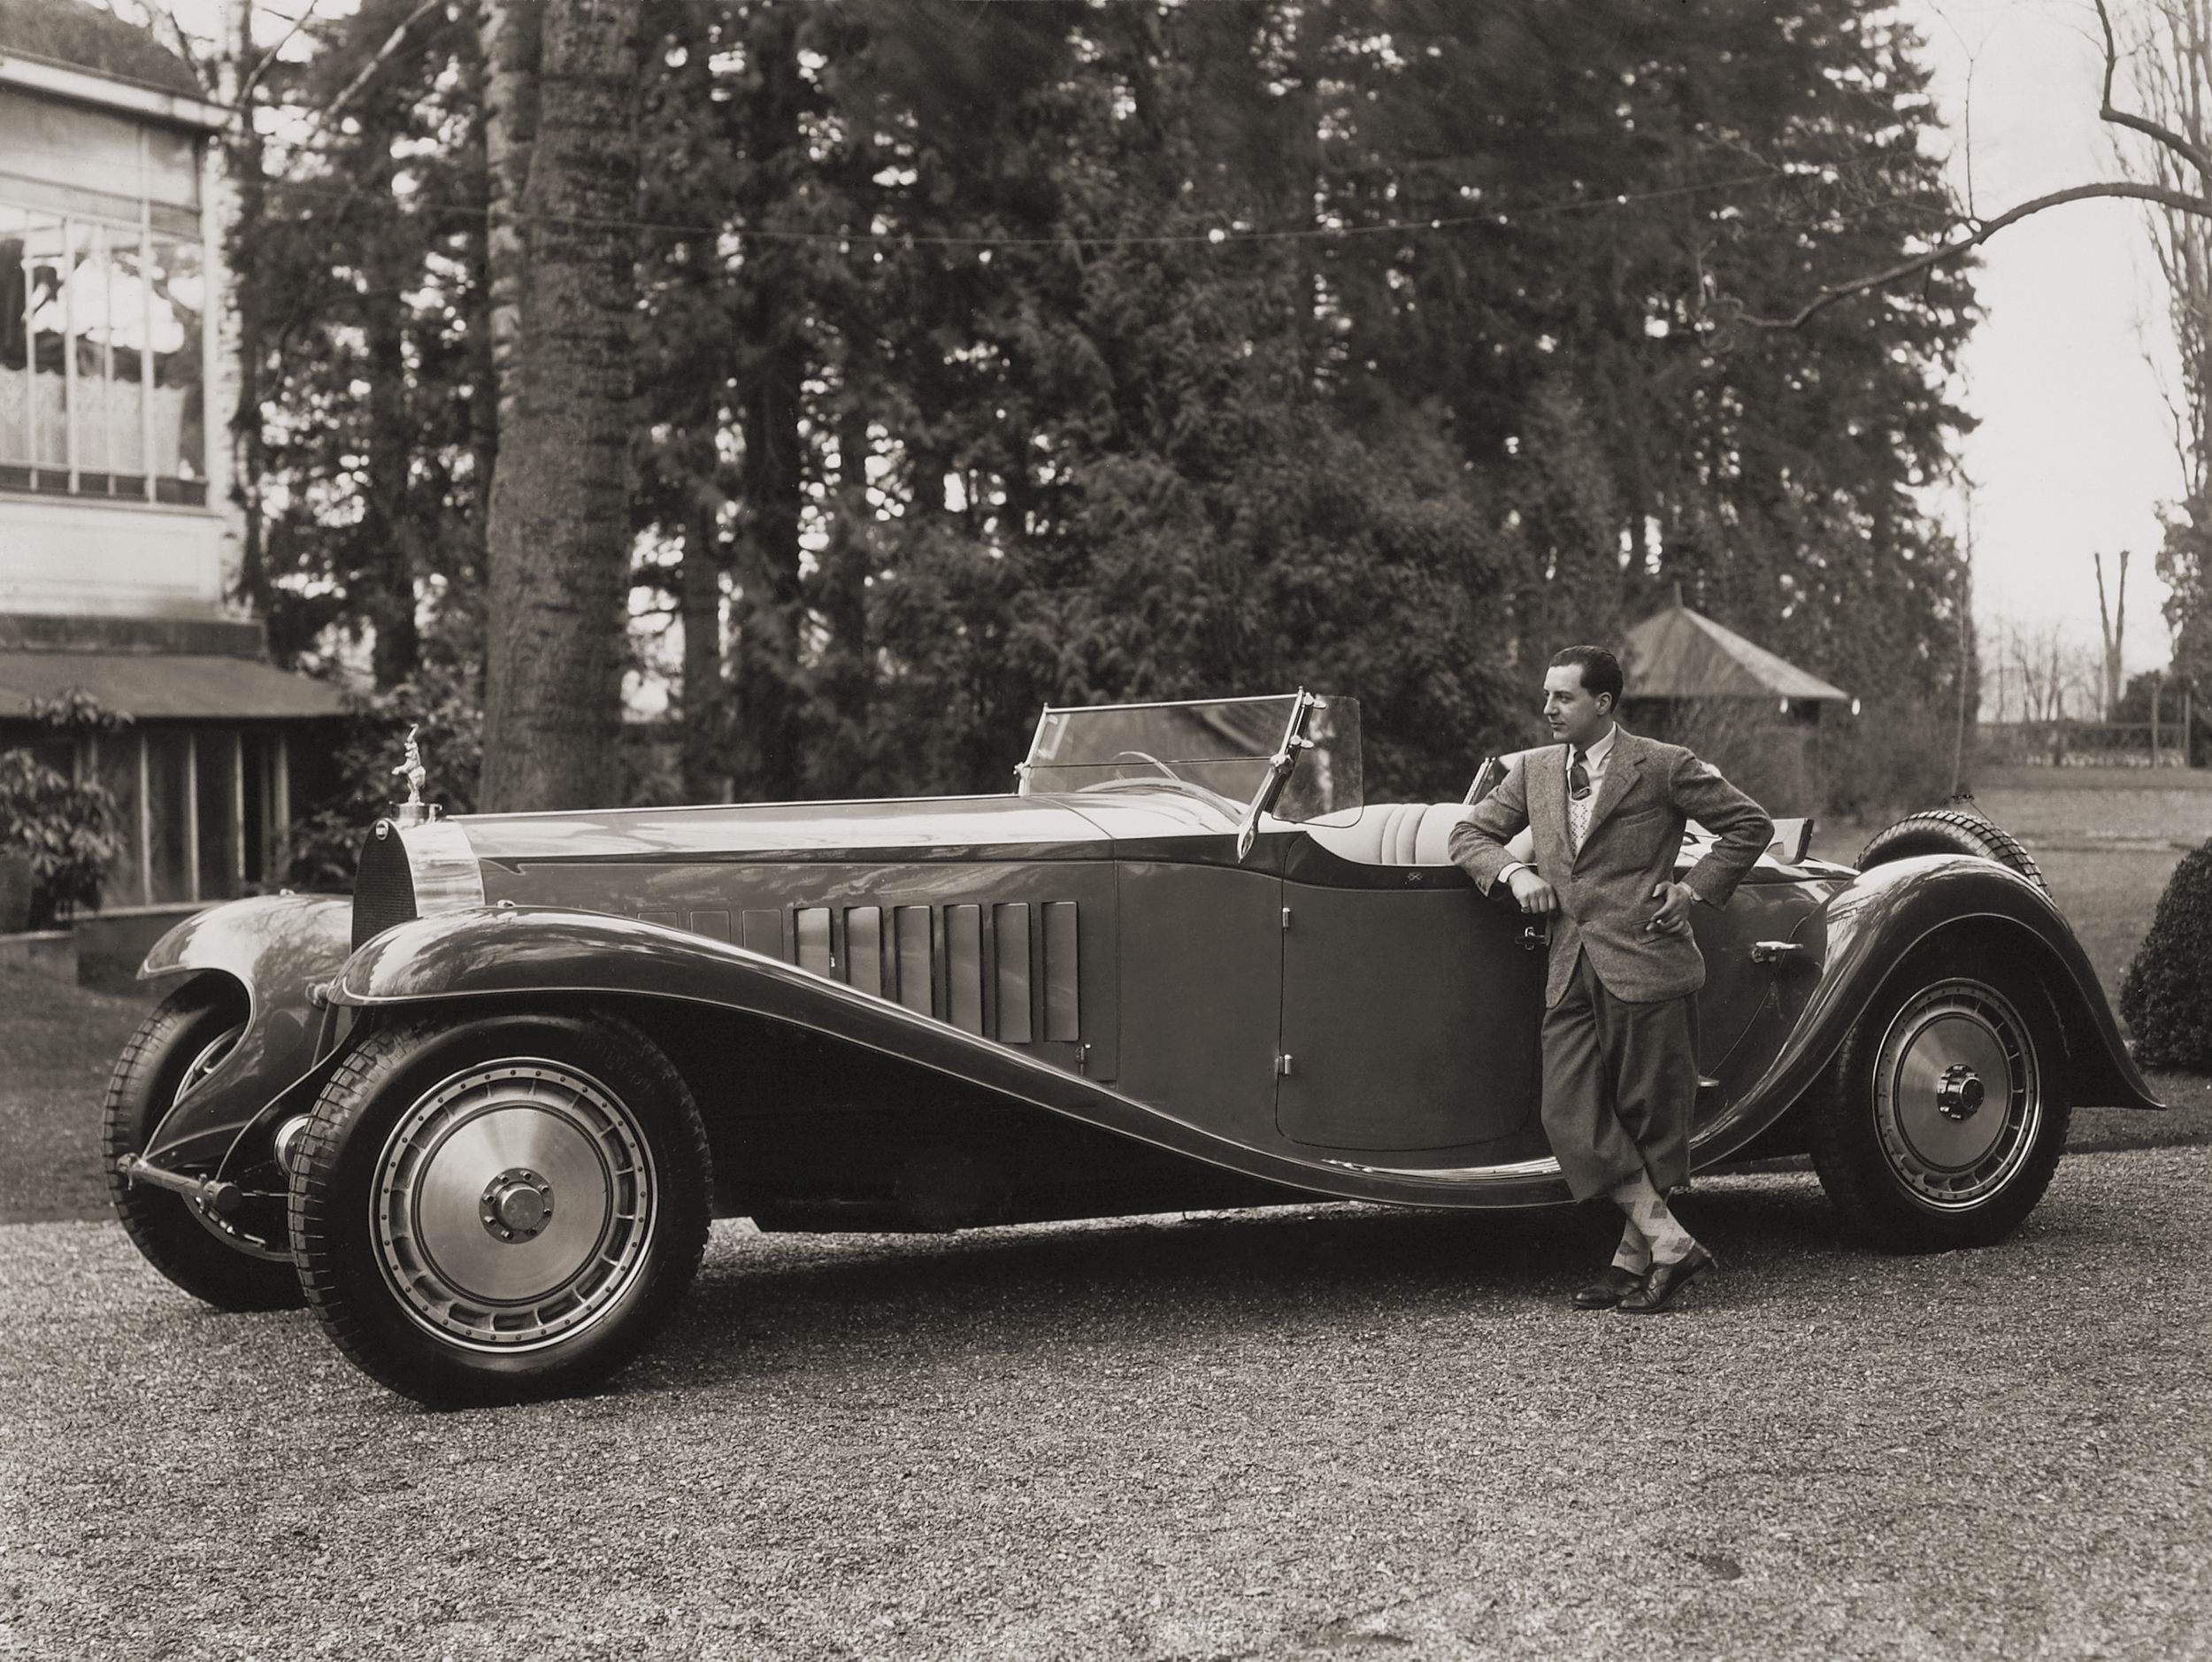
x=238 y=808
x=191 y=814
x=146 y=345
x=30 y=357
x=107 y=265
x=70 y=396
x=145 y=824
x=280 y=805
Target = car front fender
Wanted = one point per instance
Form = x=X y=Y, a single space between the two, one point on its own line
x=275 y=948
x=1849 y=950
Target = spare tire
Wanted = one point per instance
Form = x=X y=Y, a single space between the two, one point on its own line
x=1950 y=831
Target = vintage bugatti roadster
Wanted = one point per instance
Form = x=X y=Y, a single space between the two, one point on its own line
x=480 y=1116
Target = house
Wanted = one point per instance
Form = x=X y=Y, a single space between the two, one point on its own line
x=118 y=543
x=1753 y=715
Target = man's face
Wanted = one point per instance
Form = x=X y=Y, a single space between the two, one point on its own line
x=1574 y=712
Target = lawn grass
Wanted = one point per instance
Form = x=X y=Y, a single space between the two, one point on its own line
x=57 y=1043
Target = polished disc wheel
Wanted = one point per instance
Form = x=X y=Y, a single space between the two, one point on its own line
x=515 y=1205
x=1940 y=1124
x=1956 y=1098
x=495 y=1208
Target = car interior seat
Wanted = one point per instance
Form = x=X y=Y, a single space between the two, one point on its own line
x=1407 y=833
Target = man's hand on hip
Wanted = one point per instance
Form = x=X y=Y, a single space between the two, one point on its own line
x=1532 y=892
x=1673 y=915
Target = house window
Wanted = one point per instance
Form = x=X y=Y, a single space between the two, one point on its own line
x=102 y=306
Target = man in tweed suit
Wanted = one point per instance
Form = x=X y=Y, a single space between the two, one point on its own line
x=1606 y=810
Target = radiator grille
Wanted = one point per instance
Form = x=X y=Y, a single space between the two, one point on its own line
x=384 y=889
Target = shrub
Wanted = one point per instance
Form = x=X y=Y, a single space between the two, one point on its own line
x=68 y=834
x=2167 y=995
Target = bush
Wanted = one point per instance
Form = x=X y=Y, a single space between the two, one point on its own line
x=68 y=834
x=2167 y=996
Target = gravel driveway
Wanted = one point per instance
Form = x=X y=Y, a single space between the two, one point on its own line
x=1334 y=1431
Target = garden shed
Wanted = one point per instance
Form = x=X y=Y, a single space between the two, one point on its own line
x=1754 y=714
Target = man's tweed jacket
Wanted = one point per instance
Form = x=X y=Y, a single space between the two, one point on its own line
x=1635 y=833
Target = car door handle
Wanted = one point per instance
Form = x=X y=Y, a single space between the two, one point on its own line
x=1775 y=951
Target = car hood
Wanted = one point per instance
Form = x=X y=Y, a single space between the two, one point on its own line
x=978 y=825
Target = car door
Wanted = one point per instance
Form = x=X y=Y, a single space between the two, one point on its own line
x=1411 y=1007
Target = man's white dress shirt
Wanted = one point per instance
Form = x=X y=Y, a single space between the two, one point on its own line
x=1578 y=812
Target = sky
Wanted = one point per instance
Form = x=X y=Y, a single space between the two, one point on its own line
x=2075 y=449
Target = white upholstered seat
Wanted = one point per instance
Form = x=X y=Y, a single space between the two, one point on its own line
x=1397 y=834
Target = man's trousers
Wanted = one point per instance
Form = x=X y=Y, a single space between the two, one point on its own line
x=1620 y=1084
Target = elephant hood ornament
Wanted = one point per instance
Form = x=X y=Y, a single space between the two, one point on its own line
x=414 y=810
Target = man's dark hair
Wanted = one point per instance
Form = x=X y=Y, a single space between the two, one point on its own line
x=1600 y=670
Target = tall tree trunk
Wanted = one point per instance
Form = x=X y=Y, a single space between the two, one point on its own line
x=2112 y=624
x=384 y=542
x=242 y=158
x=483 y=379
x=560 y=528
x=510 y=35
x=842 y=584
x=706 y=775
x=771 y=379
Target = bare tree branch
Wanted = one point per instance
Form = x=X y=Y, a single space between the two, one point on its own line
x=1983 y=230
x=2196 y=203
x=2192 y=153
x=253 y=80
x=331 y=110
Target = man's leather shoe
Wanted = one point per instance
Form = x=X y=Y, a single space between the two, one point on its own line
x=1662 y=1283
x=1609 y=1290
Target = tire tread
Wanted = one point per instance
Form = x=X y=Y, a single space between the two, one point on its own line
x=1951 y=830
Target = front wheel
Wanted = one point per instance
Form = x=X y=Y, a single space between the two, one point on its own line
x=499 y=1208
x=1942 y=1119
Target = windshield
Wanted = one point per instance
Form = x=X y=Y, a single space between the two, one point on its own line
x=1215 y=749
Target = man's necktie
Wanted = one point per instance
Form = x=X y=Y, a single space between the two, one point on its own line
x=1578 y=799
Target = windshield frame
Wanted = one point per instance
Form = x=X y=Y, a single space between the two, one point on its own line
x=1265 y=768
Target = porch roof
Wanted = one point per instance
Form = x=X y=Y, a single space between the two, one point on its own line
x=166 y=686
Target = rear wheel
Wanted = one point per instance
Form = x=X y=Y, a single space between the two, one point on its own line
x=1943 y=1119
x=184 y=1040
x=1950 y=831
x=494 y=1208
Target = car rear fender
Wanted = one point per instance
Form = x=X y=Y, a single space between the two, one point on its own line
x=275 y=950
x=504 y=954
x=1852 y=947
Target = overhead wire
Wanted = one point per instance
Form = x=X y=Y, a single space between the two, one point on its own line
x=1497 y=215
